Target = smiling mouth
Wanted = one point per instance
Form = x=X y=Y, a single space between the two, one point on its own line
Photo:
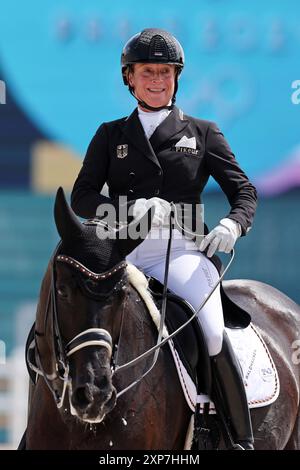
x=156 y=90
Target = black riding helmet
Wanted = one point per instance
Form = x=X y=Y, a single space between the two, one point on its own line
x=154 y=46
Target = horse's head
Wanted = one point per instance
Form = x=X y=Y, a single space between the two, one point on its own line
x=88 y=294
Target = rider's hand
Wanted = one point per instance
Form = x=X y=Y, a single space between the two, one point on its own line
x=139 y=208
x=222 y=237
x=162 y=209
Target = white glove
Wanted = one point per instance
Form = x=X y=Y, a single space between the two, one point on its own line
x=162 y=209
x=139 y=208
x=222 y=237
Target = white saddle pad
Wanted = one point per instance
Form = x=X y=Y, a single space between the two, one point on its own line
x=259 y=371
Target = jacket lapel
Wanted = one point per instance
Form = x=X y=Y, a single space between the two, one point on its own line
x=172 y=125
x=134 y=131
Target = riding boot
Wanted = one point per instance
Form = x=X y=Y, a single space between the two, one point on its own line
x=229 y=395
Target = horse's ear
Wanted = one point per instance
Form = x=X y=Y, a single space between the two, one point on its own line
x=66 y=221
x=132 y=235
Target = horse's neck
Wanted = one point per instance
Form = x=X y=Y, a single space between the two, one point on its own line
x=137 y=333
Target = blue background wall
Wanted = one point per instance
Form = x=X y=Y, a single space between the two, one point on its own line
x=60 y=61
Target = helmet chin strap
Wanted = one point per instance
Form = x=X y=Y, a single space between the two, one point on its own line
x=151 y=108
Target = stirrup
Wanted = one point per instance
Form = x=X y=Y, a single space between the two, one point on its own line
x=243 y=445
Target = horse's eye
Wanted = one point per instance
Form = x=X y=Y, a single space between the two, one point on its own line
x=62 y=291
x=91 y=284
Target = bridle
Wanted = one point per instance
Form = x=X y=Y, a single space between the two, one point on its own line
x=90 y=337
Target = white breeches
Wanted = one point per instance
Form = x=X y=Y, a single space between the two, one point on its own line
x=191 y=275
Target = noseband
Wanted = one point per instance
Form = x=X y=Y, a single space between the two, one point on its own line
x=90 y=337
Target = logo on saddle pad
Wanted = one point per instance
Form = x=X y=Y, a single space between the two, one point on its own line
x=266 y=374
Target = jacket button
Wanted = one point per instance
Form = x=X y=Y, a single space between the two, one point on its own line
x=132 y=174
x=156 y=192
x=131 y=191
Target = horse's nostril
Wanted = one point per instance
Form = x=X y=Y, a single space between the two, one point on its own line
x=103 y=382
x=82 y=397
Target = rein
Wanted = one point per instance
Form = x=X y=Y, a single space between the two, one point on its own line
x=98 y=336
x=155 y=349
x=160 y=330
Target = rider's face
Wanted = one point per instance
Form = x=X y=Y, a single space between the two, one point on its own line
x=153 y=83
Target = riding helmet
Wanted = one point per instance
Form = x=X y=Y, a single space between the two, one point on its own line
x=152 y=45
x=156 y=46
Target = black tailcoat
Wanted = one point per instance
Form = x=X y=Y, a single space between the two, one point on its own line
x=145 y=168
x=121 y=156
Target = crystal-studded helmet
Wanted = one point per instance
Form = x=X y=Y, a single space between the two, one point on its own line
x=152 y=45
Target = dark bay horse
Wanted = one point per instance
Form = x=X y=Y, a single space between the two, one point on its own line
x=87 y=322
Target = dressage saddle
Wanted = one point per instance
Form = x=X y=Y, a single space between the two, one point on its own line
x=190 y=343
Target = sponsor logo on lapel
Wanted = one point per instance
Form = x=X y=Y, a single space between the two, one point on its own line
x=186 y=150
x=122 y=151
x=186 y=145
